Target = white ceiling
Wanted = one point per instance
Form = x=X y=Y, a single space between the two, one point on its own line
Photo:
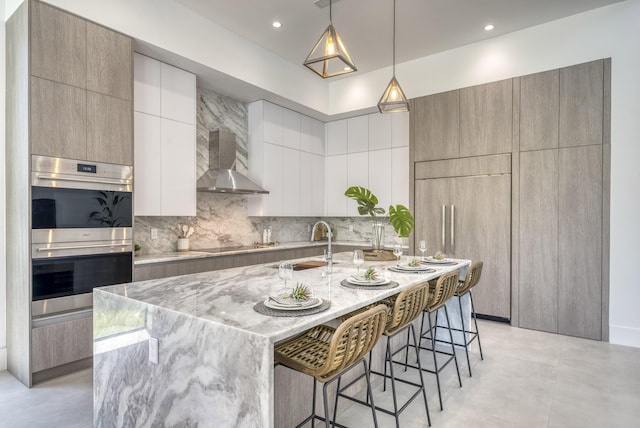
x=424 y=27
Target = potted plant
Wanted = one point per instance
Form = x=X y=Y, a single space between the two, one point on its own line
x=136 y=250
x=399 y=216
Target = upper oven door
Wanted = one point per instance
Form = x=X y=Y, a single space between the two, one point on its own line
x=70 y=194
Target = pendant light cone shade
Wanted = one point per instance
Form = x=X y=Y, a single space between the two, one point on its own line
x=329 y=57
x=393 y=99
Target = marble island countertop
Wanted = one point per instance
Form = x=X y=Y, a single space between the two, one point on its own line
x=197 y=254
x=211 y=346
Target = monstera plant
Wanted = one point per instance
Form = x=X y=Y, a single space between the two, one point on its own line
x=399 y=216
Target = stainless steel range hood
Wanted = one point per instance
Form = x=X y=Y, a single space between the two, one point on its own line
x=222 y=176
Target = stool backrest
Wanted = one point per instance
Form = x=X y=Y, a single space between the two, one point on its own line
x=445 y=287
x=471 y=279
x=354 y=338
x=408 y=306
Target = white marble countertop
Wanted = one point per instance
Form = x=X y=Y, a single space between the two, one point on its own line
x=227 y=296
x=195 y=254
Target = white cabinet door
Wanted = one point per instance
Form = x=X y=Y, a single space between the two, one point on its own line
x=307 y=190
x=291 y=182
x=272 y=180
x=337 y=137
x=336 y=168
x=400 y=129
x=358 y=134
x=380 y=176
x=380 y=131
x=146 y=84
x=178 y=168
x=178 y=94
x=318 y=138
x=291 y=129
x=311 y=135
x=146 y=173
x=400 y=176
x=357 y=175
x=318 y=206
x=273 y=120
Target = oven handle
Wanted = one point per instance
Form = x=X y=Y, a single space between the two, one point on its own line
x=80 y=247
x=84 y=180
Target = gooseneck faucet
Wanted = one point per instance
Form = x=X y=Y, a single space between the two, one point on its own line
x=329 y=235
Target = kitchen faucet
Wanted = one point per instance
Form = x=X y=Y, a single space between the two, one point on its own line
x=329 y=253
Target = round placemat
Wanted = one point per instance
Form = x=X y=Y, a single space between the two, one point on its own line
x=393 y=269
x=391 y=284
x=262 y=309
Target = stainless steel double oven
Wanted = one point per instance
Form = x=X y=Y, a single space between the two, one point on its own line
x=81 y=237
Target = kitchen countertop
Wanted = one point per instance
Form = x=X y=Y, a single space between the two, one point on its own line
x=197 y=254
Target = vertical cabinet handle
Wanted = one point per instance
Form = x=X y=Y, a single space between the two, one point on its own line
x=453 y=228
x=444 y=228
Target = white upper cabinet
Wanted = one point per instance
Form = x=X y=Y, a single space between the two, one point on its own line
x=358 y=134
x=357 y=175
x=400 y=176
x=380 y=131
x=337 y=137
x=164 y=139
x=292 y=170
x=336 y=168
x=399 y=129
x=380 y=174
x=177 y=94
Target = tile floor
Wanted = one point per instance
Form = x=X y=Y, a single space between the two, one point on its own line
x=528 y=379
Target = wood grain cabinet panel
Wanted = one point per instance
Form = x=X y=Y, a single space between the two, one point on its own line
x=486 y=119
x=435 y=122
x=58 y=45
x=539 y=104
x=58 y=119
x=62 y=343
x=109 y=129
x=580 y=242
x=538 y=279
x=109 y=62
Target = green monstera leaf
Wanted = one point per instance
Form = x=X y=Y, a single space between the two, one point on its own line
x=366 y=200
x=401 y=219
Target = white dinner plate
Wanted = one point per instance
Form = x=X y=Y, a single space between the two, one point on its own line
x=273 y=305
x=408 y=268
x=436 y=261
x=379 y=281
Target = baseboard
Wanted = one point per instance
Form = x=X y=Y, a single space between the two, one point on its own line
x=3 y=359
x=628 y=336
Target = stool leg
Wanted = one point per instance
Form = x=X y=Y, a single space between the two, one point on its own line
x=388 y=359
x=412 y=332
x=453 y=349
x=406 y=352
x=326 y=407
x=464 y=335
x=435 y=361
x=370 y=393
x=335 y=405
x=475 y=320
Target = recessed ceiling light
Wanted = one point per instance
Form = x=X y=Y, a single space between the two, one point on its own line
x=277 y=24
x=488 y=27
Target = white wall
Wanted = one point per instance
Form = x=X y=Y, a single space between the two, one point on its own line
x=613 y=32
x=3 y=288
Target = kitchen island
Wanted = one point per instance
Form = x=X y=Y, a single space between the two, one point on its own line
x=190 y=350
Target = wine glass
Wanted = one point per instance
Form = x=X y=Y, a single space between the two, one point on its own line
x=422 y=246
x=358 y=259
x=285 y=271
x=397 y=251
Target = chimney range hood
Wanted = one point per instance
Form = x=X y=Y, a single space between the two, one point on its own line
x=222 y=176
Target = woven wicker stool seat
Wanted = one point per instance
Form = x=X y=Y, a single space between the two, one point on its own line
x=441 y=290
x=326 y=353
x=465 y=287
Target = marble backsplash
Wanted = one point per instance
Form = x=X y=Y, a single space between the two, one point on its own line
x=221 y=219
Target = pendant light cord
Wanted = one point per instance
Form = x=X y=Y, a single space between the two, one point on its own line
x=394 y=38
x=330 y=18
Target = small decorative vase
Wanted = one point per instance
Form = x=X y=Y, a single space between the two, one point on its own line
x=377 y=240
x=183 y=244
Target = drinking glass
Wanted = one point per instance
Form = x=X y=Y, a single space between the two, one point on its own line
x=358 y=259
x=285 y=271
x=397 y=250
x=422 y=246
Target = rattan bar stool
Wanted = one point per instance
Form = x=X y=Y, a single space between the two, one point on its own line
x=404 y=308
x=441 y=290
x=326 y=353
x=470 y=281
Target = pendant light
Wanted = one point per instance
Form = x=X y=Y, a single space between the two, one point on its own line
x=393 y=99
x=329 y=57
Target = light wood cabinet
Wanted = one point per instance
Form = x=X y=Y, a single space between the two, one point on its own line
x=109 y=62
x=486 y=115
x=58 y=46
x=58 y=119
x=61 y=343
x=109 y=129
x=539 y=105
x=435 y=122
